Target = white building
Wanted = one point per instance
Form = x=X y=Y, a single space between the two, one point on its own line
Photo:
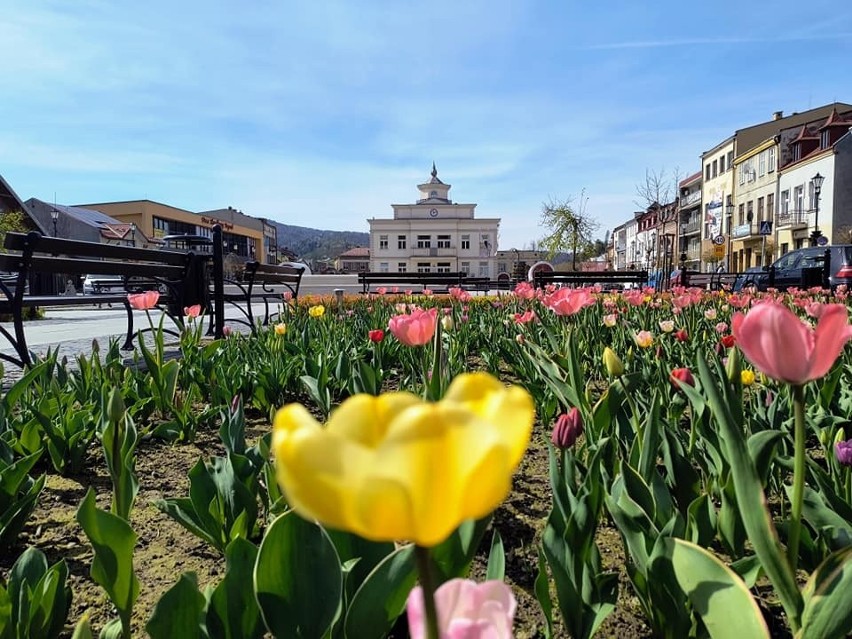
x=434 y=235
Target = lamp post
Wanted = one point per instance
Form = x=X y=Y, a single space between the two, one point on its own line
x=817 y=182
x=517 y=262
x=54 y=215
x=729 y=214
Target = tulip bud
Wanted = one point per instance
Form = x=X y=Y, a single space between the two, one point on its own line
x=447 y=323
x=734 y=367
x=519 y=338
x=115 y=406
x=567 y=429
x=747 y=377
x=96 y=347
x=614 y=366
x=843 y=452
x=376 y=335
x=681 y=376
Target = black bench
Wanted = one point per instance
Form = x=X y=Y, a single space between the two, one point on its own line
x=607 y=279
x=267 y=283
x=179 y=276
x=443 y=281
x=710 y=281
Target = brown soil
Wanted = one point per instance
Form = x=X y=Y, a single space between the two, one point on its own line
x=165 y=549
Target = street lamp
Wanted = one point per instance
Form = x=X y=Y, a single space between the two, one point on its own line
x=729 y=213
x=817 y=182
x=517 y=262
x=54 y=215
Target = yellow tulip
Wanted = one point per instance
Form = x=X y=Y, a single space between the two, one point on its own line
x=316 y=311
x=281 y=329
x=613 y=363
x=747 y=377
x=395 y=467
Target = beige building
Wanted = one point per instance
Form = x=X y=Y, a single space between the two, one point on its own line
x=756 y=174
x=689 y=221
x=242 y=235
x=355 y=260
x=434 y=235
x=717 y=193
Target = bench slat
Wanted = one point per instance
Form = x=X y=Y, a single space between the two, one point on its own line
x=99 y=267
x=60 y=246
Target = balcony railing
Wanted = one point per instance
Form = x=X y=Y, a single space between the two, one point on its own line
x=434 y=252
x=688 y=201
x=793 y=219
x=690 y=227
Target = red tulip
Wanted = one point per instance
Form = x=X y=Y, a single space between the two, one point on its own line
x=681 y=376
x=681 y=335
x=143 y=301
x=376 y=335
x=785 y=348
x=728 y=341
x=567 y=429
x=415 y=328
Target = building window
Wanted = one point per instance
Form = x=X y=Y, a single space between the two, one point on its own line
x=721 y=164
x=465 y=267
x=424 y=241
x=760 y=209
x=741 y=214
x=161 y=227
x=442 y=267
x=785 y=202
x=383 y=242
x=785 y=248
x=443 y=241
x=730 y=160
x=750 y=211
x=383 y=267
x=401 y=267
x=742 y=173
x=799 y=198
x=400 y=241
x=823 y=140
x=715 y=168
x=761 y=164
x=424 y=267
x=433 y=194
x=770 y=206
x=465 y=242
x=810 y=196
x=483 y=269
x=771 y=166
x=707 y=172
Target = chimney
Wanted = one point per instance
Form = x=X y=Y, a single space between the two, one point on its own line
x=777 y=115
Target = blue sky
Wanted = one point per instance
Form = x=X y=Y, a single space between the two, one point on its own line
x=324 y=113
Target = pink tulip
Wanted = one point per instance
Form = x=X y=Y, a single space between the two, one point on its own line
x=466 y=610
x=192 y=311
x=415 y=328
x=567 y=301
x=785 y=348
x=143 y=301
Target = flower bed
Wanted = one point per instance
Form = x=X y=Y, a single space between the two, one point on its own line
x=680 y=440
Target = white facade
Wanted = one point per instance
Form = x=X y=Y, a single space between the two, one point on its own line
x=631 y=228
x=796 y=201
x=434 y=235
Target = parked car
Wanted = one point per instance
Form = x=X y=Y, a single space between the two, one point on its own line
x=749 y=277
x=801 y=268
x=102 y=284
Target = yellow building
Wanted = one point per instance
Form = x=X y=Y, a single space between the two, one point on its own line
x=242 y=235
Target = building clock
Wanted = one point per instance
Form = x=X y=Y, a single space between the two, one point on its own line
x=433 y=213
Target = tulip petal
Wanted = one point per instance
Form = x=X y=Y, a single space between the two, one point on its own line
x=365 y=418
x=775 y=341
x=832 y=333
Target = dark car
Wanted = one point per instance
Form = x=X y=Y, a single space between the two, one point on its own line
x=749 y=277
x=803 y=268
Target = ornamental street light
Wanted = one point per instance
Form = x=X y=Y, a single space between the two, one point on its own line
x=817 y=183
x=54 y=215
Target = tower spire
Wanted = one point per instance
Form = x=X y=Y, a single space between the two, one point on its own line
x=434 y=170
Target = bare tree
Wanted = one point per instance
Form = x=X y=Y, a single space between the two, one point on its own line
x=658 y=189
x=571 y=228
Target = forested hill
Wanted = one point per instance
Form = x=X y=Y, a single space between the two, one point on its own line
x=310 y=243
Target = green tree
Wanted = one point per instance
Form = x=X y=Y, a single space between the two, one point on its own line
x=11 y=221
x=570 y=226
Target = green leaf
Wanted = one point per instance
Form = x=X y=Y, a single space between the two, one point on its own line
x=454 y=555
x=83 y=629
x=232 y=612
x=297 y=578
x=382 y=597
x=368 y=554
x=717 y=594
x=496 y=559
x=542 y=594
x=179 y=612
x=750 y=496
x=828 y=598
x=113 y=541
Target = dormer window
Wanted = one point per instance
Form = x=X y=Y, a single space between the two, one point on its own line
x=433 y=194
x=824 y=140
x=797 y=151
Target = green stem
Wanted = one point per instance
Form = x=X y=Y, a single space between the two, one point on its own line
x=798 y=476
x=427 y=583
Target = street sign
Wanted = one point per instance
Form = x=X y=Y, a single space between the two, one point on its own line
x=766 y=227
x=822 y=240
x=719 y=250
x=719 y=240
